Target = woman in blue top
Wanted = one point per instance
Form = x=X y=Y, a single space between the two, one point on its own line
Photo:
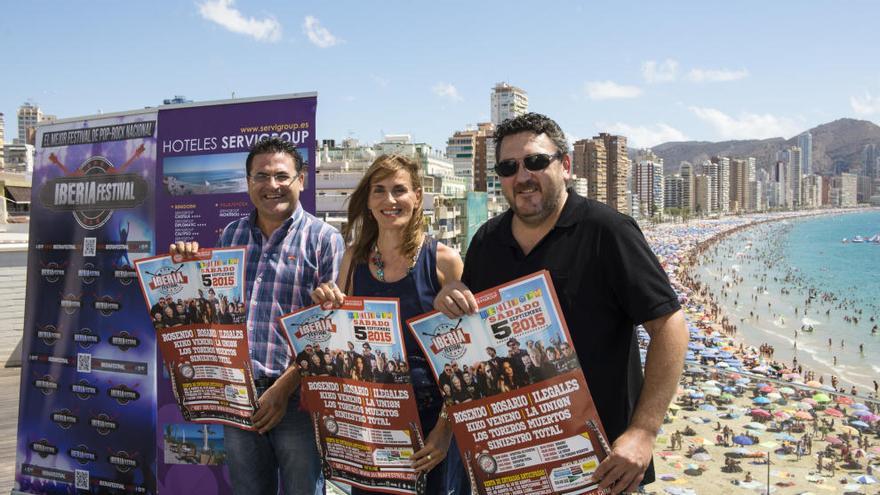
x=388 y=255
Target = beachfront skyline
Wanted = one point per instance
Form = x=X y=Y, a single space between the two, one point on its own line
x=657 y=73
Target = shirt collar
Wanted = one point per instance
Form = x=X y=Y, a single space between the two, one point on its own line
x=567 y=218
x=291 y=223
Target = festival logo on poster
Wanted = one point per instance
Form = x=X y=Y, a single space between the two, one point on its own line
x=356 y=385
x=520 y=407
x=197 y=311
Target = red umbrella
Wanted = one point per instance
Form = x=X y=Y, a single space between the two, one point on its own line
x=759 y=413
x=842 y=399
x=803 y=415
x=833 y=412
x=766 y=389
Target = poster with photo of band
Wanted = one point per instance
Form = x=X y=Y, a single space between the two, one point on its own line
x=87 y=378
x=357 y=388
x=195 y=305
x=517 y=398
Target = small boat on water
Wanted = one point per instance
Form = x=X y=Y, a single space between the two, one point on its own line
x=858 y=239
x=875 y=239
x=845 y=240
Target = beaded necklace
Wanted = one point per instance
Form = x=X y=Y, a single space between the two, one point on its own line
x=376 y=259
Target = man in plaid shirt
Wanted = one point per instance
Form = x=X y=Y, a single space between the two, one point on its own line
x=289 y=253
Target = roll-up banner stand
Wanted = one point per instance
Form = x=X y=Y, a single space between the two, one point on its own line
x=97 y=412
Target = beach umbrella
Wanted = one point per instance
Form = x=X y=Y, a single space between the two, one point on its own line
x=774 y=396
x=726 y=396
x=761 y=400
x=871 y=418
x=864 y=479
x=708 y=407
x=849 y=430
x=821 y=398
x=860 y=413
x=842 y=399
x=813 y=383
x=833 y=412
x=766 y=389
x=713 y=391
x=697 y=395
x=759 y=413
x=859 y=424
x=701 y=457
x=722 y=364
x=755 y=426
x=804 y=415
x=709 y=384
x=811 y=401
x=742 y=440
x=803 y=406
x=859 y=406
x=785 y=437
x=833 y=440
x=786 y=390
x=782 y=415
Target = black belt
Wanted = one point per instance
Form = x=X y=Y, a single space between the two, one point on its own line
x=265 y=381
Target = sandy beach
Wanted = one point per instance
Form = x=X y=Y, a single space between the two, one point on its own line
x=737 y=407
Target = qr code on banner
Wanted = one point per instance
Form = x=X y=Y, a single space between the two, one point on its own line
x=84 y=363
x=90 y=246
x=81 y=479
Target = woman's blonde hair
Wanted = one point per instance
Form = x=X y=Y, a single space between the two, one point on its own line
x=362 y=230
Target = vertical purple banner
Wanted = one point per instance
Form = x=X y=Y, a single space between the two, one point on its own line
x=87 y=400
x=201 y=187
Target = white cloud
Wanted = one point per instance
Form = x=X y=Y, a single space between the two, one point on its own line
x=446 y=90
x=716 y=75
x=223 y=13
x=659 y=72
x=867 y=105
x=747 y=125
x=318 y=34
x=644 y=136
x=609 y=90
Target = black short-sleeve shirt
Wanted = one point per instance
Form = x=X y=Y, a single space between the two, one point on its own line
x=607 y=280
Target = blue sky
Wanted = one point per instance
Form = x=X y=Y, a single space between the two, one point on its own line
x=654 y=71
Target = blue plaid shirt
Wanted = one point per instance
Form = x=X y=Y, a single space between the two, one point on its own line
x=281 y=273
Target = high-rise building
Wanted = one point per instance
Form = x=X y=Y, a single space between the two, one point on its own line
x=703 y=188
x=812 y=191
x=795 y=174
x=29 y=115
x=460 y=149
x=648 y=184
x=617 y=173
x=738 y=184
x=843 y=190
x=507 y=102
x=870 y=161
x=484 y=155
x=673 y=191
x=721 y=182
x=780 y=193
x=590 y=161
x=686 y=171
x=805 y=143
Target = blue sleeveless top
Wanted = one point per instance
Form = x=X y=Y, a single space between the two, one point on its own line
x=416 y=290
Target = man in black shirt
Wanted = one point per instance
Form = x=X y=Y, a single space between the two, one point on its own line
x=607 y=280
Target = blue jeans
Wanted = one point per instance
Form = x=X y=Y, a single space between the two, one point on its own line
x=254 y=460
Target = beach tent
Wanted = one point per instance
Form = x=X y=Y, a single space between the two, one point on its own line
x=742 y=440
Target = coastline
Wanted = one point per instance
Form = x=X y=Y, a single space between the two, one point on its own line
x=737 y=407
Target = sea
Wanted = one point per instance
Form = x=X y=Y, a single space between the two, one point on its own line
x=795 y=285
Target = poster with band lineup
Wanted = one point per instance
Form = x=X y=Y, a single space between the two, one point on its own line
x=356 y=386
x=196 y=307
x=519 y=404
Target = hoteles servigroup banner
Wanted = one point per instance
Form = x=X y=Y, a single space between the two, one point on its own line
x=201 y=188
x=101 y=199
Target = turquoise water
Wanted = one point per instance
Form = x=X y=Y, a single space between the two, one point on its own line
x=795 y=286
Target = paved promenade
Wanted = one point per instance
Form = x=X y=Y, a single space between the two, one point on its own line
x=13 y=264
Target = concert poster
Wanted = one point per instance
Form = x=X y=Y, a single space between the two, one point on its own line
x=196 y=307
x=520 y=408
x=357 y=388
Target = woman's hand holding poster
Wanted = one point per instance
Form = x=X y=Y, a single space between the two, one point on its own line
x=356 y=385
x=521 y=411
x=197 y=309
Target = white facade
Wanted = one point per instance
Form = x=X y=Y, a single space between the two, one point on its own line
x=507 y=102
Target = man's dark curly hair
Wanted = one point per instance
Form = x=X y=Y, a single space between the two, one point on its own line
x=531 y=122
x=274 y=145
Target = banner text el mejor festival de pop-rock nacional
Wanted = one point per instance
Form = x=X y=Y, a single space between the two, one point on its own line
x=88 y=381
x=520 y=407
x=358 y=391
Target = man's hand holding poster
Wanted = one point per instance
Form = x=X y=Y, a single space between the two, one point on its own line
x=356 y=385
x=521 y=411
x=196 y=307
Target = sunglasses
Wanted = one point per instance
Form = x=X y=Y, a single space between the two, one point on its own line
x=532 y=163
